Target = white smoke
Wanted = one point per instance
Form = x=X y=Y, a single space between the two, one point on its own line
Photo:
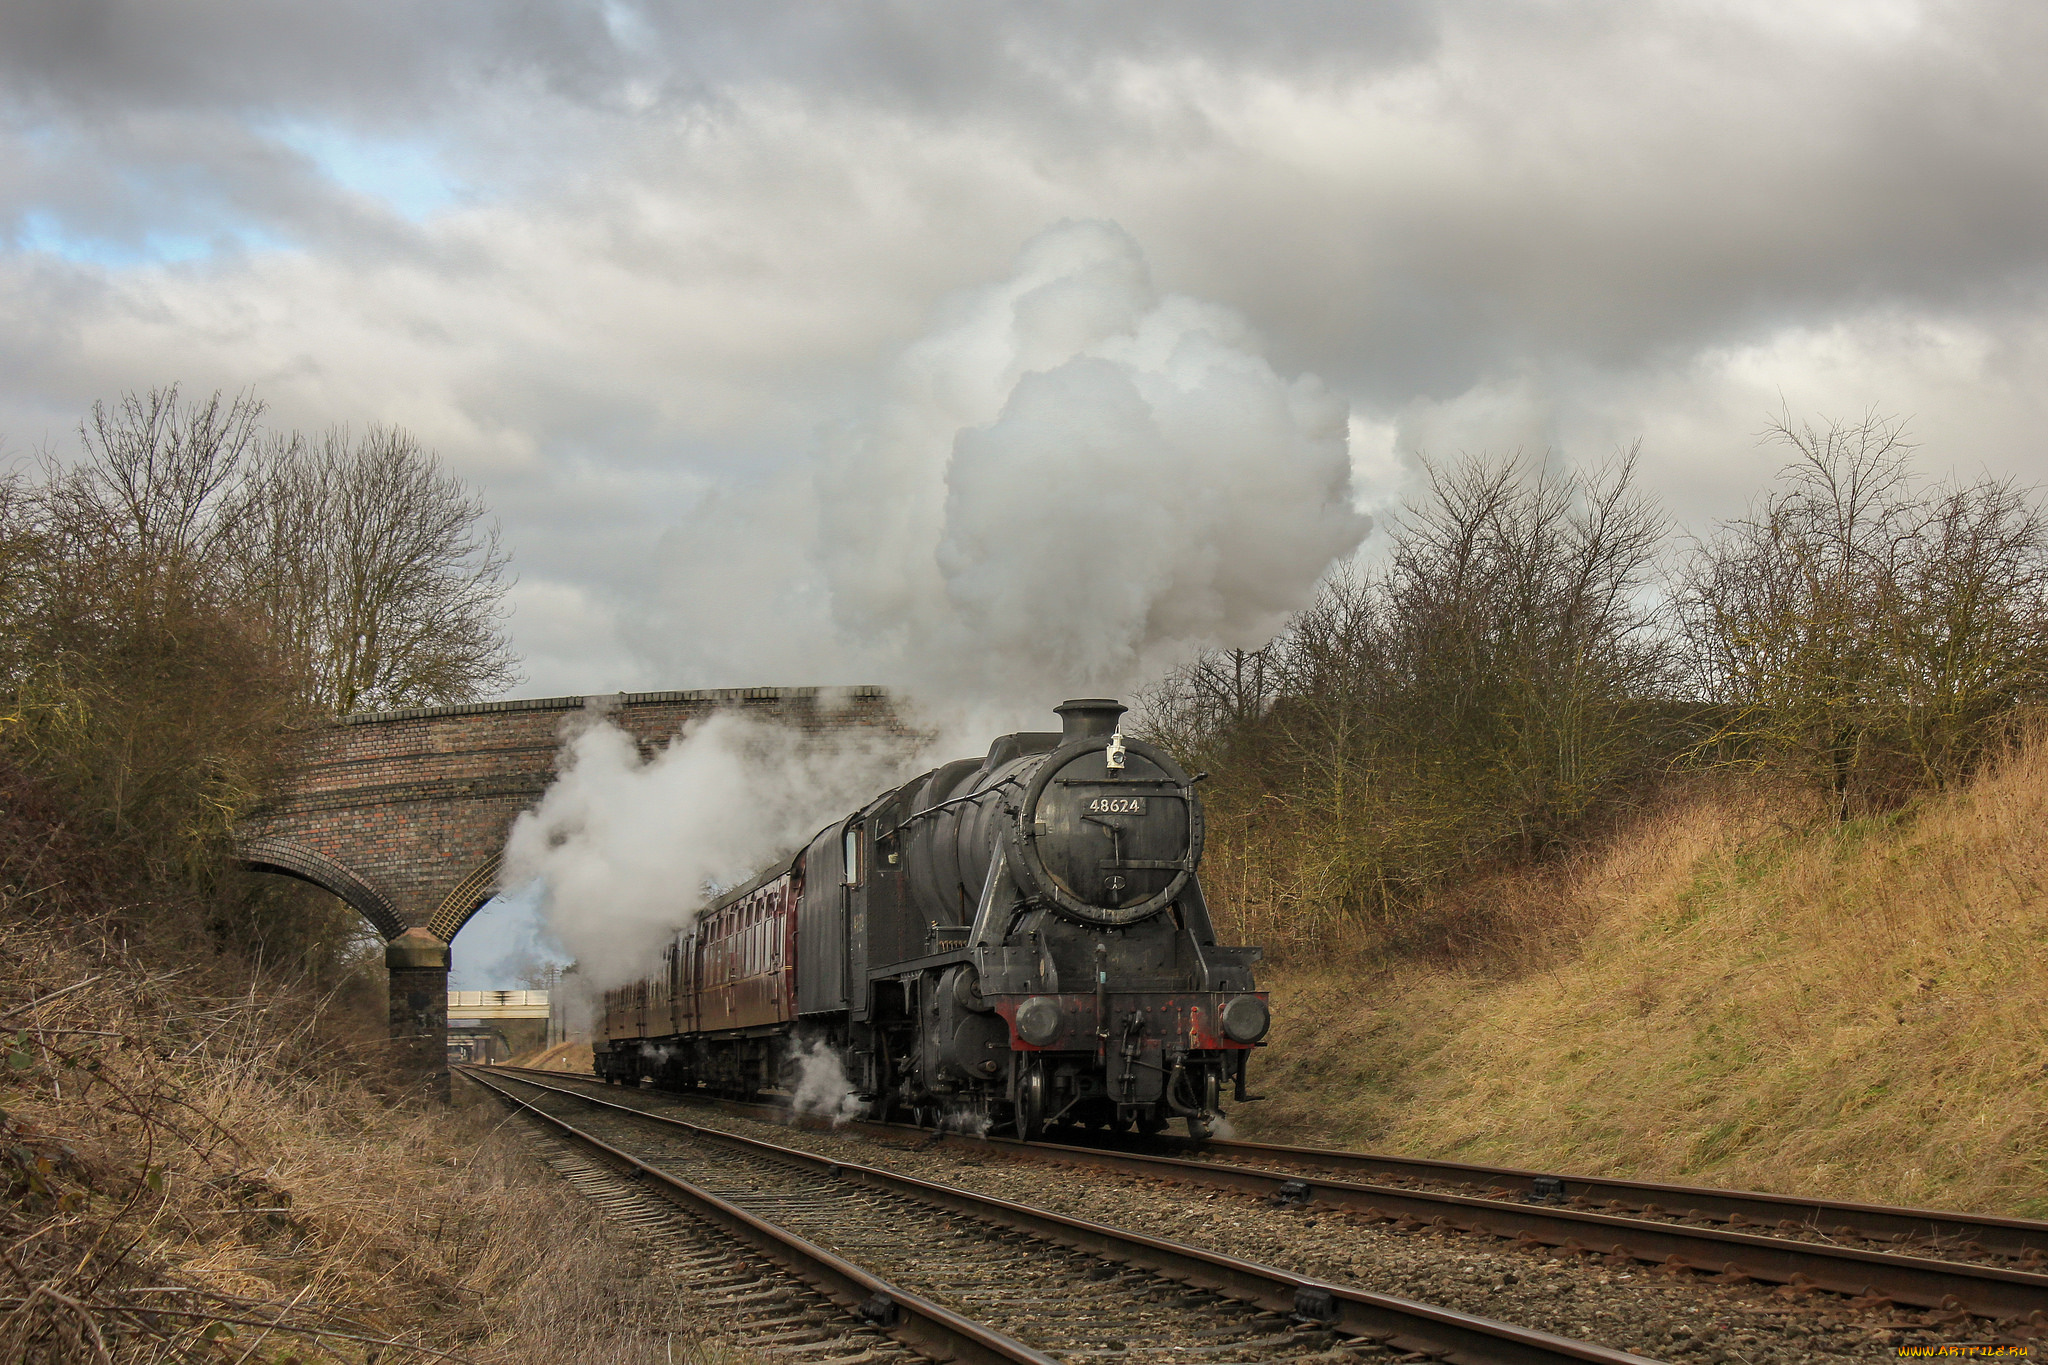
x=961 y=1119
x=822 y=1085
x=626 y=848
x=1071 y=482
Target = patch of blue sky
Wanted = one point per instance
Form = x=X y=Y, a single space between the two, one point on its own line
x=628 y=26
x=502 y=943
x=45 y=230
x=405 y=173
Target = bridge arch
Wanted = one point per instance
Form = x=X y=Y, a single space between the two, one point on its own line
x=470 y=895
x=288 y=859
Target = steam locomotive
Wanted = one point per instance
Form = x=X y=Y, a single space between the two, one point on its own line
x=1011 y=941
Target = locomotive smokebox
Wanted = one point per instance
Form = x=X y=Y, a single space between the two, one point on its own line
x=1088 y=718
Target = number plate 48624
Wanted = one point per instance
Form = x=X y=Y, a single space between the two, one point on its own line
x=1115 y=805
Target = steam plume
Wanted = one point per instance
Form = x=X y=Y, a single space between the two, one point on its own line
x=1072 y=481
x=822 y=1085
x=628 y=849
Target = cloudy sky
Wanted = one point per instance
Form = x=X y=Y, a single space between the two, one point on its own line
x=696 y=293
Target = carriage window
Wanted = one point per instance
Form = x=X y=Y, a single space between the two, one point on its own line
x=853 y=858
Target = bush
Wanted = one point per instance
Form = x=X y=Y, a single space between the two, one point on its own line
x=1510 y=677
x=1862 y=632
x=1477 y=699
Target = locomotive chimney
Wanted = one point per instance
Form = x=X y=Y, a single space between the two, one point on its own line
x=1088 y=718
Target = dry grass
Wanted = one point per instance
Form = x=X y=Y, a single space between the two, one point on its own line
x=210 y=1156
x=558 y=1057
x=1732 y=992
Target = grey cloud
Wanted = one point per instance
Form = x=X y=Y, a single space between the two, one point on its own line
x=684 y=238
x=1615 y=181
x=1615 y=193
x=379 y=61
x=111 y=91
x=394 y=61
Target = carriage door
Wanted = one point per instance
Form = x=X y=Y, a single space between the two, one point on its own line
x=677 y=1005
x=854 y=881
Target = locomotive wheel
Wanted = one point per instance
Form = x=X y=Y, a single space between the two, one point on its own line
x=1030 y=1118
x=1151 y=1121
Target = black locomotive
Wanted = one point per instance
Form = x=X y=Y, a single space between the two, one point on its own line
x=1009 y=941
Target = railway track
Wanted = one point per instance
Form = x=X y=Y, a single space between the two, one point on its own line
x=757 y=1301
x=1943 y=1263
x=864 y=1304
x=961 y=1275
x=2020 y=1242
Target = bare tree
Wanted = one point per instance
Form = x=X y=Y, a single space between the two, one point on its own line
x=1968 y=636
x=171 y=599
x=20 y=554
x=154 y=498
x=1859 y=629
x=378 y=573
x=1215 y=695
x=161 y=473
x=1522 y=647
x=1477 y=697
x=136 y=682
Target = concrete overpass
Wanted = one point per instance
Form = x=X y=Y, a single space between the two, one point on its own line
x=517 y=1021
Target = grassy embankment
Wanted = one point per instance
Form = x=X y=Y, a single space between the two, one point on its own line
x=180 y=1139
x=1727 y=992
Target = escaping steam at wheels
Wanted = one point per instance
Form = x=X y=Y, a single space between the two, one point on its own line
x=1003 y=942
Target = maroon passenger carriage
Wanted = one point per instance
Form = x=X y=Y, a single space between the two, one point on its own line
x=1017 y=939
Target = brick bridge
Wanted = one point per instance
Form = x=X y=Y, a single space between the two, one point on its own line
x=403 y=814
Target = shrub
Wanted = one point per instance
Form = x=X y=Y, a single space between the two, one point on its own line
x=1864 y=632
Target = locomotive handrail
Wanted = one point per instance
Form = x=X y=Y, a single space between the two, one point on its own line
x=1179 y=791
x=933 y=809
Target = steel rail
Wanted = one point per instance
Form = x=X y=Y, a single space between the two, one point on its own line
x=1985 y=1290
x=2019 y=1238
x=2007 y=1236
x=1995 y=1292
x=1401 y=1324
x=917 y=1322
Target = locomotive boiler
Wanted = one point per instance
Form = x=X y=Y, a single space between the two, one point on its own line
x=1012 y=941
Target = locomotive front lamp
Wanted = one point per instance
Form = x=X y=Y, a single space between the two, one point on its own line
x=1245 y=1019
x=1038 y=1021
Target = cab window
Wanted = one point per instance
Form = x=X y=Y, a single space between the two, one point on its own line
x=854 y=867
